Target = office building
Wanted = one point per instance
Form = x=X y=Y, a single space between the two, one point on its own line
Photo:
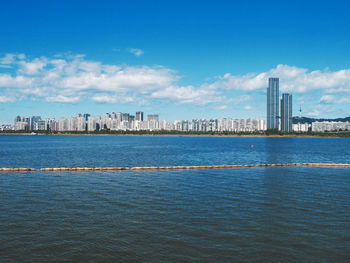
x=286 y=112
x=273 y=104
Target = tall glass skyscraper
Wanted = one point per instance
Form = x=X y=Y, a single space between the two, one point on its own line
x=273 y=104
x=286 y=112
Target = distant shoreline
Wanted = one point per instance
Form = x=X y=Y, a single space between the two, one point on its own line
x=333 y=135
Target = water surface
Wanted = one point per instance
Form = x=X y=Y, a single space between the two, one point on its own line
x=276 y=214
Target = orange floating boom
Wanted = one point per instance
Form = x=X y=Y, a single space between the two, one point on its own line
x=193 y=167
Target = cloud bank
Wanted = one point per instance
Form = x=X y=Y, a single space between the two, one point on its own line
x=136 y=51
x=70 y=79
x=73 y=78
x=292 y=79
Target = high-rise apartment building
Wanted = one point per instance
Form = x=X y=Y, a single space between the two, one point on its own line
x=86 y=116
x=273 y=104
x=113 y=115
x=153 y=117
x=81 y=124
x=286 y=112
x=18 y=119
x=34 y=121
x=125 y=117
x=119 y=116
x=139 y=116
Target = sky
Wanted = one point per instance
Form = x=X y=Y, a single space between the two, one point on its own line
x=179 y=59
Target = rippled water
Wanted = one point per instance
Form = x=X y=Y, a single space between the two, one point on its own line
x=281 y=214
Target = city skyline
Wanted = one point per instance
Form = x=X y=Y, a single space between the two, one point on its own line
x=126 y=122
x=185 y=60
x=122 y=121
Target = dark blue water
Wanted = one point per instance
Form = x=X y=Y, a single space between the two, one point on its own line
x=281 y=214
x=102 y=151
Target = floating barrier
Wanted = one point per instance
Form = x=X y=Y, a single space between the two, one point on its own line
x=193 y=167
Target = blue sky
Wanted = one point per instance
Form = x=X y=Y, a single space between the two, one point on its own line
x=180 y=59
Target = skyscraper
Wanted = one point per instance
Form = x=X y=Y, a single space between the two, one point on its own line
x=273 y=104
x=286 y=112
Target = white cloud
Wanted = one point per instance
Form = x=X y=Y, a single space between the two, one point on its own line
x=64 y=99
x=344 y=100
x=68 y=78
x=10 y=58
x=246 y=82
x=6 y=99
x=292 y=79
x=136 y=51
x=32 y=67
x=222 y=107
x=332 y=99
x=186 y=94
x=106 y=98
x=320 y=110
x=314 y=113
x=241 y=99
x=327 y=99
x=21 y=56
x=5 y=66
